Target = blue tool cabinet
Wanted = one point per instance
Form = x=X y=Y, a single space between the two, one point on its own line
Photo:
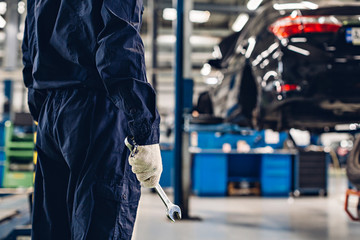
x=210 y=174
x=167 y=155
x=276 y=175
x=243 y=167
x=213 y=170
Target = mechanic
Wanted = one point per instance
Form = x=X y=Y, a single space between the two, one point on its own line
x=85 y=73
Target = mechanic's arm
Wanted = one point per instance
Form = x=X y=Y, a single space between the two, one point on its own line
x=121 y=65
x=35 y=97
x=28 y=66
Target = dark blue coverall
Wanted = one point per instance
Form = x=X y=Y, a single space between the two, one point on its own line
x=85 y=74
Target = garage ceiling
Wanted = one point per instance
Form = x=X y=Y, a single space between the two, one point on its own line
x=205 y=36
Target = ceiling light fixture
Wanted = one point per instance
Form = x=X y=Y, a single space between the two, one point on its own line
x=206 y=69
x=211 y=80
x=3 y=7
x=2 y=22
x=240 y=22
x=195 y=16
x=21 y=7
x=253 y=4
x=199 y=16
x=170 y=14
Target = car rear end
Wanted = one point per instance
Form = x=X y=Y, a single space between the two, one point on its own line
x=319 y=65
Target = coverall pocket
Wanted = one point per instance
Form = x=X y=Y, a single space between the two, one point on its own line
x=36 y=102
x=115 y=210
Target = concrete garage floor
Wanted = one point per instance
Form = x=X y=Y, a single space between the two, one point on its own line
x=228 y=218
x=252 y=218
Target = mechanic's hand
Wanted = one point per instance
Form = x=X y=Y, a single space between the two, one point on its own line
x=147 y=165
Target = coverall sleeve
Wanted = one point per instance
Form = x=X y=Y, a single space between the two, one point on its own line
x=28 y=66
x=121 y=65
x=36 y=98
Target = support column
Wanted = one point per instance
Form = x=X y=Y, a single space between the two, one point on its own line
x=11 y=41
x=153 y=33
x=188 y=6
x=187 y=77
x=179 y=95
x=183 y=70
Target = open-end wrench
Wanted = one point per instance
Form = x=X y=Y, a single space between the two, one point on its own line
x=172 y=211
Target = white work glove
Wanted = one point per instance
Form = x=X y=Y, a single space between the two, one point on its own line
x=147 y=165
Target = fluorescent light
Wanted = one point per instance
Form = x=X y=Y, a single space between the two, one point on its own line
x=166 y=39
x=273 y=47
x=204 y=40
x=257 y=60
x=267 y=52
x=195 y=16
x=264 y=63
x=250 y=49
x=270 y=74
x=217 y=52
x=310 y=5
x=298 y=39
x=294 y=14
x=194 y=40
x=2 y=22
x=289 y=6
x=199 y=16
x=212 y=81
x=298 y=50
x=21 y=7
x=206 y=69
x=3 y=7
x=169 y=14
x=240 y=22
x=276 y=55
x=253 y=4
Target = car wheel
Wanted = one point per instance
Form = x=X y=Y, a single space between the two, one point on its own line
x=353 y=164
x=259 y=123
x=206 y=119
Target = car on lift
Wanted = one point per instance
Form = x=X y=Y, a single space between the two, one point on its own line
x=294 y=65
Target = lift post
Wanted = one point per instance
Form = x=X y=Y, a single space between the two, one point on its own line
x=183 y=83
x=179 y=95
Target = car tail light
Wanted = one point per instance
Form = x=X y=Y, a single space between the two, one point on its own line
x=288 y=88
x=288 y=26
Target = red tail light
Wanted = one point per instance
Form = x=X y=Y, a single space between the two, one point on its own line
x=288 y=88
x=288 y=26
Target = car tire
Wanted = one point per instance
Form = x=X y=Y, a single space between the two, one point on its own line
x=206 y=119
x=353 y=164
x=256 y=123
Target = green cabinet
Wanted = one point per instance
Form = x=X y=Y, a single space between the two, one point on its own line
x=19 y=151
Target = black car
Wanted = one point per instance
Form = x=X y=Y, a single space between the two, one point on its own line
x=294 y=65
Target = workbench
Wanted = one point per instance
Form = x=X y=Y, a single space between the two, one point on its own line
x=278 y=171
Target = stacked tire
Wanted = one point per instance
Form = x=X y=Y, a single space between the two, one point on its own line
x=353 y=164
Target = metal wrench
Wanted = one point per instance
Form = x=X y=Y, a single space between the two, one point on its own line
x=172 y=211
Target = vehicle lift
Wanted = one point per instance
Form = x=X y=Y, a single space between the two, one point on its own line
x=353 y=192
